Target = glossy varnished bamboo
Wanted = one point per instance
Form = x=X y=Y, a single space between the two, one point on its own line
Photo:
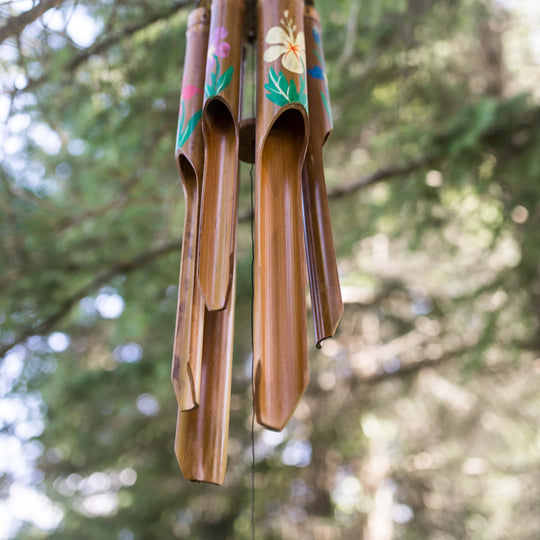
x=187 y=352
x=321 y=258
x=281 y=370
x=221 y=138
x=202 y=434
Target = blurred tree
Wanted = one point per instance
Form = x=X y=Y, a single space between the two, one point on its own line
x=421 y=416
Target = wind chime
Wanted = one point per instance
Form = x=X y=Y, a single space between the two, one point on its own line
x=291 y=218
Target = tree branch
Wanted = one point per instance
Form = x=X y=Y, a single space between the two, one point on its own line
x=15 y=25
x=410 y=368
x=123 y=267
x=102 y=46
x=382 y=174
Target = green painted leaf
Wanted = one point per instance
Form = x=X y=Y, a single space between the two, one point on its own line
x=188 y=130
x=327 y=107
x=282 y=83
x=282 y=92
x=278 y=99
x=224 y=80
x=292 y=92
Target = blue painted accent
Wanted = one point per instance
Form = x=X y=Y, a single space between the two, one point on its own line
x=316 y=72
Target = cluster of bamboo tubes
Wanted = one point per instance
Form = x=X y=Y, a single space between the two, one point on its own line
x=291 y=218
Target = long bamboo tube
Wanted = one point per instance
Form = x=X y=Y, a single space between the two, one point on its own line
x=281 y=370
x=221 y=138
x=186 y=364
x=321 y=257
x=202 y=434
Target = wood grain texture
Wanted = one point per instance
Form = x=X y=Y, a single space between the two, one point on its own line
x=187 y=351
x=281 y=370
x=321 y=258
x=221 y=139
x=202 y=434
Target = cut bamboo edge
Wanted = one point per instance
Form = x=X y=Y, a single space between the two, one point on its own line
x=281 y=371
x=221 y=145
x=219 y=202
x=327 y=304
x=185 y=371
x=202 y=434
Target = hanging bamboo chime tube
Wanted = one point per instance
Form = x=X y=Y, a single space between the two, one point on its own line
x=221 y=139
x=321 y=257
x=280 y=335
x=187 y=353
x=202 y=434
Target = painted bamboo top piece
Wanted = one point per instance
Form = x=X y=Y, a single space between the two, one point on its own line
x=225 y=52
x=191 y=98
x=317 y=81
x=282 y=61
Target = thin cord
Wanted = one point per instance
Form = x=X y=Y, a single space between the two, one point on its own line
x=252 y=310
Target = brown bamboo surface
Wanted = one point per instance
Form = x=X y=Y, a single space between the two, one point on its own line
x=186 y=364
x=221 y=138
x=202 y=434
x=321 y=257
x=281 y=370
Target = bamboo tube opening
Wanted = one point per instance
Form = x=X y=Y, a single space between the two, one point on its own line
x=281 y=371
x=219 y=203
x=187 y=171
x=290 y=130
x=182 y=375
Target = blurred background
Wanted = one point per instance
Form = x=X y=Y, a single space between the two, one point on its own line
x=421 y=420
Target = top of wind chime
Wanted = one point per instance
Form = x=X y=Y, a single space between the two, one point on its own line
x=292 y=229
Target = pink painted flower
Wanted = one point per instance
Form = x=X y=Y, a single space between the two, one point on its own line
x=217 y=47
x=188 y=91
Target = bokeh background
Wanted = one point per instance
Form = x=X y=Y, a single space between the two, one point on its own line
x=422 y=416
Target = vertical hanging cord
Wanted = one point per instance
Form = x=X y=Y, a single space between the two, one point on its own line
x=252 y=310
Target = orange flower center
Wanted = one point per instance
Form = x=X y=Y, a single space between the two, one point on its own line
x=293 y=48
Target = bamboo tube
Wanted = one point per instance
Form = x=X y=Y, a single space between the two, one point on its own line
x=221 y=139
x=321 y=256
x=202 y=434
x=186 y=364
x=281 y=370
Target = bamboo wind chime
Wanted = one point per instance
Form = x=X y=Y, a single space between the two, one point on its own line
x=291 y=218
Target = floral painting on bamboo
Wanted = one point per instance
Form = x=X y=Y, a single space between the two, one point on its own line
x=218 y=48
x=187 y=127
x=289 y=46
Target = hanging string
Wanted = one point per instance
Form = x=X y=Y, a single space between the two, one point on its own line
x=252 y=310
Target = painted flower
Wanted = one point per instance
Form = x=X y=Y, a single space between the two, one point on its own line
x=283 y=43
x=188 y=91
x=217 y=47
x=216 y=81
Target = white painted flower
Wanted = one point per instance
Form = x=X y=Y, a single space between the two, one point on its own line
x=282 y=41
